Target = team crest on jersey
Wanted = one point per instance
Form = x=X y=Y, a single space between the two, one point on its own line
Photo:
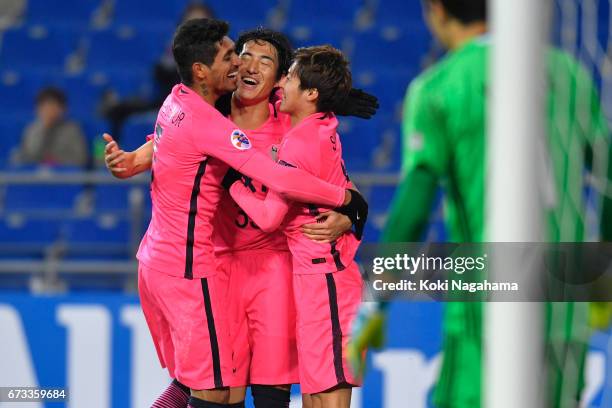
x=240 y=140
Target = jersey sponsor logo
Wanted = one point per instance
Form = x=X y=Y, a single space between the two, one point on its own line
x=240 y=140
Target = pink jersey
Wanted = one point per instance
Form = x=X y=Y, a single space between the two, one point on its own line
x=312 y=145
x=234 y=230
x=191 y=145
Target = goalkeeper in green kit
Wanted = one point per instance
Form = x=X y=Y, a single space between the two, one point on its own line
x=444 y=126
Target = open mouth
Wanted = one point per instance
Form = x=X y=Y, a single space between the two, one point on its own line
x=232 y=75
x=249 y=81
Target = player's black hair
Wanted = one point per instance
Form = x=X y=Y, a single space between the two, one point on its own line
x=278 y=40
x=325 y=69
x=466 y=11
x=51 y=93
x=197 y=40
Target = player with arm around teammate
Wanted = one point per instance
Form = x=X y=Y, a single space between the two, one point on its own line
x=181 y=292
x=327 y=283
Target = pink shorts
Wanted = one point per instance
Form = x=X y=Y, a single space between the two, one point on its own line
x=189 y=326
x=326 y=306
x=262 y=317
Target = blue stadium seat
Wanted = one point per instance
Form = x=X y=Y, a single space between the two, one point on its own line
x=384 y=48
x=315 y=34
x=124 y=83
x=243 y=16
x=83 y=95
x=153 y=11
x=11 y=130
x=136 y=129
x=97 y=239
x=362 y=139
x=380 y=198
x=105 y=237
x=388 y=84
x=40 y=198
x=23 y=230
x=399 y=12
x=21 y=87
x=72 y=12
x=18 y=91
x=25 y=238
x=357 y=143
x=105 y=229
x=44 y=48
x=321 y=12
x=121 y=49
x=94 y=128
x=371 y=232
x=116 y=197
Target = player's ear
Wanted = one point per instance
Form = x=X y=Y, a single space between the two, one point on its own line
x=280 y=81
x=312 y=94
x=200 y=71
x=438 y=10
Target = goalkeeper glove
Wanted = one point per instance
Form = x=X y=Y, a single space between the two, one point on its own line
x=600 y=315
x=368 y=331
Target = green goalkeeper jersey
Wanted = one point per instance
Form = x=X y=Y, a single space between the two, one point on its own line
x=444 y=131
x=445 y=118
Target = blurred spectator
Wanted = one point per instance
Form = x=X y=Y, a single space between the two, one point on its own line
x=164 y=74
x=10 y=12
x=51 y=139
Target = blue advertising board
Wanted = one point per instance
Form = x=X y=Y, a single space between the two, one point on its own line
x=97 y=346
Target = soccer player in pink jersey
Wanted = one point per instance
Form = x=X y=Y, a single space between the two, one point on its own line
x=327 y=283
x=182 y=295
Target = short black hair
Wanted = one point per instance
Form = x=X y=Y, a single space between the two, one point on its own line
x=51 y=93
x=325 y=69
x=466 y=11
x=278 y=40
x=197 y=40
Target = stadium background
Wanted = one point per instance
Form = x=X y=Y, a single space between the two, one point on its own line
x=69 y=315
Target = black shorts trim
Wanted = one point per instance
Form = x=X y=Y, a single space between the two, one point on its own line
x=193 y=212
x=336 y=255
x=336 y=329
x=212 y=332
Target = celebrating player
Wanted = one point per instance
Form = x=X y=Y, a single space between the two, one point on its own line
x=258 y=264
x=327 y=283
x=181 y=292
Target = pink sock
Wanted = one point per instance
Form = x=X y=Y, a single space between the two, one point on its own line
x=173 y=397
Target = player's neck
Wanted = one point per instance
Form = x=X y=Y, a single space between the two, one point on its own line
x=209 y=96
x=299 y=115
x=249 y=116
x=461 y=34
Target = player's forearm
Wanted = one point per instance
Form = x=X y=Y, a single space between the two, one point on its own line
x=133 y=163
x=267 y=213
x=295 y=184
x=143 y=157
x=409 y=213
